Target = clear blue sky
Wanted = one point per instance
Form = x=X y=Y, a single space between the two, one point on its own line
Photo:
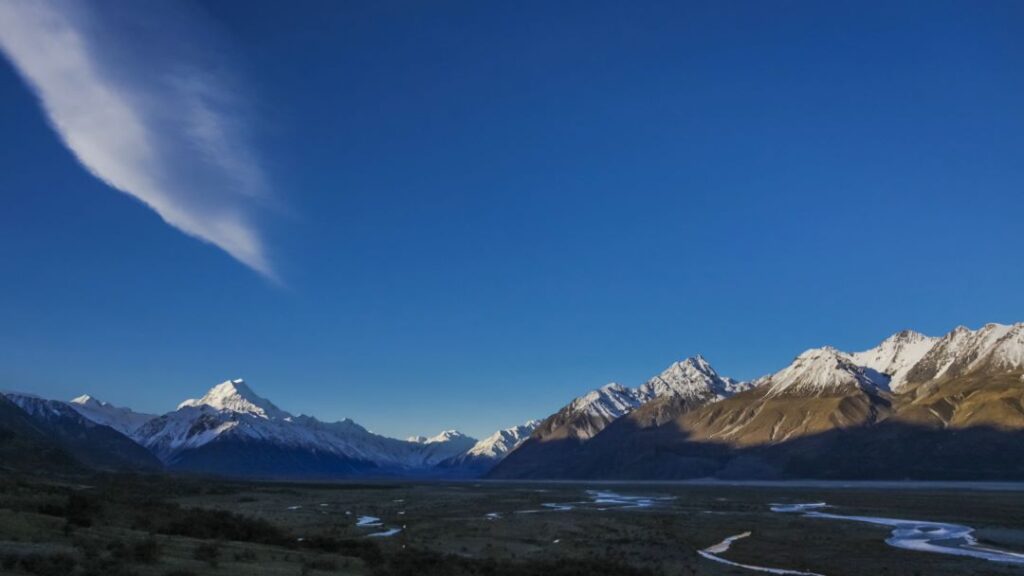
x=470 y=212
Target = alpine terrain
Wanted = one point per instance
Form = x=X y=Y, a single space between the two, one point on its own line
x=915 y=406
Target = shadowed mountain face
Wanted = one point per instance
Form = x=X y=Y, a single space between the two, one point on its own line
x=962 y=430
x=97 y=446
x=555 y=446
x=26 y=446
x=241 y=457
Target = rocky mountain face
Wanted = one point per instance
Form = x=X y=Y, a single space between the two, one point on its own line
x=895 y=356
x=486 y=453
x=558 y=441
x=95 y=445
x=24 y=445
x=912 y=407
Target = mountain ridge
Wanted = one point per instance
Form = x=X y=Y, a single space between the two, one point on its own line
x=908 y=387
x=966 y=384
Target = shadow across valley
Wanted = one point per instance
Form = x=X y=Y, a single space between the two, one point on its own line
x=888 y=450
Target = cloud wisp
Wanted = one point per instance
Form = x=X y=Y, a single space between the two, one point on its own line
x=139 y=92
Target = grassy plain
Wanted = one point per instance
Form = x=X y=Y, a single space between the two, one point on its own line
x=162 y=526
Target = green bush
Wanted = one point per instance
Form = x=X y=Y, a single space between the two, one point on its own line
x=221 y=525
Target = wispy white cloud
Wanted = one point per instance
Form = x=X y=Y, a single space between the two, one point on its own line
x=145 y=112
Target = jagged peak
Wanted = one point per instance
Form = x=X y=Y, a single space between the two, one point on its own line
x=821 y=371
x=85 y=400
x=236 y=396
x=896 y=356
x=440 y=437
x=908 y=336
x=692 y=378
x=445 y=436
x=503 y=441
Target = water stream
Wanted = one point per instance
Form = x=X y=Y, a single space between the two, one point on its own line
x=920 y=535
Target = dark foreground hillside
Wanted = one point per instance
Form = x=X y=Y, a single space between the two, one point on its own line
x=116 y=525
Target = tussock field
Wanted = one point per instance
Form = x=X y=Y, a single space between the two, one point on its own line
x=122 y=525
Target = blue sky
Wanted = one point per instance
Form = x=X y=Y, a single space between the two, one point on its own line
x=436 y=215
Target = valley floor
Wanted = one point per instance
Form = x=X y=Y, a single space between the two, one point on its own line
x=160 y=526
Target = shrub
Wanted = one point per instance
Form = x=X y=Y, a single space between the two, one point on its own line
x=221 y=525
x=79 y=509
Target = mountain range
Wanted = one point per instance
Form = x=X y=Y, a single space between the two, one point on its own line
x=912 y=407
x=915 y=406
x=231 y=431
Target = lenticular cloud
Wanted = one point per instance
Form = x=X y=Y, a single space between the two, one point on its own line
x=140 y=95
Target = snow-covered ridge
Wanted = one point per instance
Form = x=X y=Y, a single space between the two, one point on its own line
x=823 y=371
x=607 y=402
x=904 y=360
x=991 y=348
x=691 y=379
x=40 y=407
x=231 y=410
x=497 y=445
x=896 y=355
x=123 y=420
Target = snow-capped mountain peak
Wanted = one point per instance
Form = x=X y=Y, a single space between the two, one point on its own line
x=690 y=379
x=993 y=347
x=502 y=442
x=236 y=396
x=123 y=420
x=607 y=402
x=896 y=356
x=445 y=436
x=821 y=372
